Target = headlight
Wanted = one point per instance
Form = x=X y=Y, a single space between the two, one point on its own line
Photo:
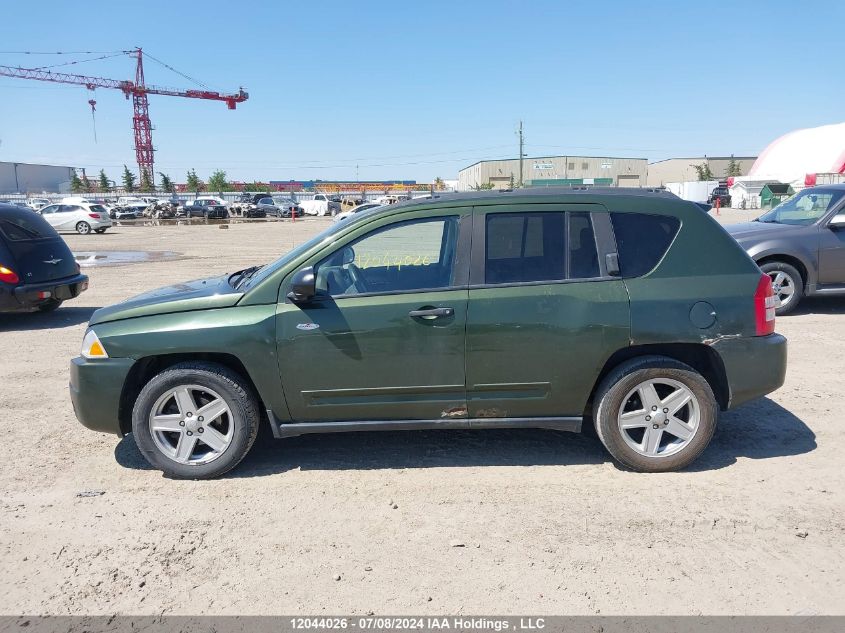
x=91 y=346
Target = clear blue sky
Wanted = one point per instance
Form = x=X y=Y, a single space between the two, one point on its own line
x=420 y=89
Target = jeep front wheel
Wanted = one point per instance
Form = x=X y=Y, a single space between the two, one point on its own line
x=195 y=420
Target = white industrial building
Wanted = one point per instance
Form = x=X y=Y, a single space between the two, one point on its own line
x=30 y=178
x=548 y=171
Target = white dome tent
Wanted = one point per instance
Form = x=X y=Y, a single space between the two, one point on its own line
x=797 y=157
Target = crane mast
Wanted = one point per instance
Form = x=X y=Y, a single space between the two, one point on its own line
x=138 y=91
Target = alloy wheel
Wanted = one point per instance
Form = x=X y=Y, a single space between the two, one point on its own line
x=659 y=417
x=783 y=286
x=191 y=424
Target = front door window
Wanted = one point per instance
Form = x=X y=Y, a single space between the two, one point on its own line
x=410 y=256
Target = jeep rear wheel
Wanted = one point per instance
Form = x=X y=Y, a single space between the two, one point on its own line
x=655 y=414
x=787 y=285
x=195 y=420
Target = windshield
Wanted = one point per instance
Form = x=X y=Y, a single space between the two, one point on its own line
x=804 y=208
x=323 y=237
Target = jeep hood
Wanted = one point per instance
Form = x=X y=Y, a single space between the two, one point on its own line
x=201 y=294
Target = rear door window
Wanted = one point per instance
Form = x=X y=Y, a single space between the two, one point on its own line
x=25 y=226
x=642 y=240
x=543 y=246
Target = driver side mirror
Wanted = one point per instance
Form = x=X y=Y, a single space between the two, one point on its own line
x=303 y=286
x=838 y=222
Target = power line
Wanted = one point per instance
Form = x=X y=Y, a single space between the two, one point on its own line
x=181 y=74
x=59 y=52
x=79 y=61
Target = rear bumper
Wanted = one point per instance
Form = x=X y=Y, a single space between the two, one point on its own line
x=95 y=390
x=31 y=295
x=754 y=366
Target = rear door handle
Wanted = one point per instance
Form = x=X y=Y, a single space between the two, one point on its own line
x=431 y=313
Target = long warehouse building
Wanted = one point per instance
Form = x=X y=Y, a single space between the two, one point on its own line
x=30 y=178
x=546 y=171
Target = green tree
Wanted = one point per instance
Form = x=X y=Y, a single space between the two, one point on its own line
x=103 y=181
x=734 y=168
x=512 y=183
x=257 y=186
x=193 y=182
x=703 y=171
x=128 y=180
x=485 y=187
x=218 y=182
x=439 y=185
x=166 y=183
x=86 y=184
x=146 y=182
x=75 y=183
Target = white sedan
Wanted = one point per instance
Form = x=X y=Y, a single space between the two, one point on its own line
x=81 y=217
x=361 y=207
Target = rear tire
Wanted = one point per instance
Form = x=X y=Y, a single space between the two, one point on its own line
x=788 y=285
x=83 y=228
x=642 y=395
x=237 y=425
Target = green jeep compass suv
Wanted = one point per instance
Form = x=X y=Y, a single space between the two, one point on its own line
x=628 y=309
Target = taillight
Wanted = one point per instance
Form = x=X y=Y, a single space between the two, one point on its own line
x=7 y=275
x=96 y=216
x=764 y=306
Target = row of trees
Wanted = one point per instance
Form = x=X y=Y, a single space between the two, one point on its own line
x=704 y=172
x=130 y=183
x=217 y=183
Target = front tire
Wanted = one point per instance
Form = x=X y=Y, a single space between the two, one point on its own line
x=195 y=420
x=655 y=414
x=787 y=284
x=83 y=228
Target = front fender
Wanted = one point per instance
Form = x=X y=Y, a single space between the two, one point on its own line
x=777 y=247
x=246 y=332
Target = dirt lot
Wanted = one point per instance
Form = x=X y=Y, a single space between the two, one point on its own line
x=546 y=523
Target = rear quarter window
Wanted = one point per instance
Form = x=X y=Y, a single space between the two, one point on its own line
x=642 y=240
x=21 y=227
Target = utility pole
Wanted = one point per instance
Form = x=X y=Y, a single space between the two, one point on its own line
x=521 y=152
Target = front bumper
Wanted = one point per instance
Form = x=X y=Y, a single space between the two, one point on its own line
x=754 y=366
x=95 y=390
x=32 y=295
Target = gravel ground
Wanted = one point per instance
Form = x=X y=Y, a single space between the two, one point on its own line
x=433 y=522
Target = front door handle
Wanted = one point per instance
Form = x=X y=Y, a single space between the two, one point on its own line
x=431 y=313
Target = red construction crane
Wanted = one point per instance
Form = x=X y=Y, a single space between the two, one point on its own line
x=138 y=90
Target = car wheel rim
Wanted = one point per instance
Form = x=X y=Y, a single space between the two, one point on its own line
x=659 y=417
x=783 y=286
x=83 y=228
x=191 y=424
